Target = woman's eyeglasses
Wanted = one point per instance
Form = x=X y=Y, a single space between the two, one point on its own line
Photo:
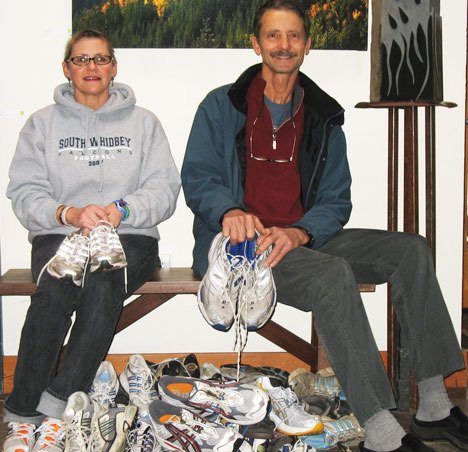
x=83 y=60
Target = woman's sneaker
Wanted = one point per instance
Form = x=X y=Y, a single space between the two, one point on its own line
x=51 y=436
x=105 y=250
x=20 y=437
x=70 y=261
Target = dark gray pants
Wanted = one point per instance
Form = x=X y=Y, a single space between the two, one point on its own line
x=324 y=281
x=97 y=306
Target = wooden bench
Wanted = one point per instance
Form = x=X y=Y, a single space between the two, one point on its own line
x=165 y=284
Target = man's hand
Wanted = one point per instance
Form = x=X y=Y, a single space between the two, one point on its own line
x=114 y=214
x=283 y=241
x=239 y=226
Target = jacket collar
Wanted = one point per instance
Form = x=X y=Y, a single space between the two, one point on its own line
x=315 y=99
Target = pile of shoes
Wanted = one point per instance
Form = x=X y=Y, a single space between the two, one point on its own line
x=178 y=405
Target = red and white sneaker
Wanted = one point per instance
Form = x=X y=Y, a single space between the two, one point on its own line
x=20 y=437
x=51 y=436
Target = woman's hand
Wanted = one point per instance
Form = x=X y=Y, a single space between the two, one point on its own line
x=87 y=217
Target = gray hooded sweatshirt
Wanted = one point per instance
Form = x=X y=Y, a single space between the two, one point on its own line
x=70 y=154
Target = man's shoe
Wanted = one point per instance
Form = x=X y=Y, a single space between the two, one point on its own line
x=142 y=438
x=20 y=437
x=105 y=250
x=305 y=383
x=409 y=443
x=77 y=417
x=70 y=260
x=257 y=294
x=453 y=428
x=51 y=436
x=219 y=288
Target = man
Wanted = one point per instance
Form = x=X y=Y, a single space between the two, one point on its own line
x=268 y=154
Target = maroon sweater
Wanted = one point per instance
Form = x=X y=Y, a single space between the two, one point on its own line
x=272 y=189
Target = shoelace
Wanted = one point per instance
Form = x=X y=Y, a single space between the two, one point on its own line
x=104 y=237
x=74 y=249
x=141 y=438
x=103 y=391
x=51 y=434
x=283 y=399
x=142 y=384
x=78 y=434
x=22 y=430
x=196 y=427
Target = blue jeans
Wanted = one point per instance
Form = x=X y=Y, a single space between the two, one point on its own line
x=38 y=388
x=324 y=281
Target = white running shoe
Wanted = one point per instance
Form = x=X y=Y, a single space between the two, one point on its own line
x=20 y=437
x=70 y=260
x=219 y=288
x=238 y=403
x=51 y=436
x=142 y=438
x=77 y=422
x=178 y=428
x=257 y=294
x=289 y=417
x=105 y=384
x=138 y=381
x=109 y=427
x=105 y=250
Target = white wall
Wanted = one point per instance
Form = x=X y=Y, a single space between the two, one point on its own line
x=172 y=83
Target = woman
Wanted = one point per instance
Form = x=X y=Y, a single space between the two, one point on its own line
x=91 y=159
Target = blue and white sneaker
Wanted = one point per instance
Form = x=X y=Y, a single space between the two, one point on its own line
x=138 y=381
x=305 y=383
x=105 y=384
x=219 y=288
x=335 y=431
x=142 y=437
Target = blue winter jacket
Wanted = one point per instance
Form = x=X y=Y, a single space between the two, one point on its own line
x=213 y=171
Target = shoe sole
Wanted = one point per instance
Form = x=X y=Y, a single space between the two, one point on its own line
x=295 y=431
x=433 y=434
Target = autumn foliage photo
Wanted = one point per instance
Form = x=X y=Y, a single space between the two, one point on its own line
x=335 y=24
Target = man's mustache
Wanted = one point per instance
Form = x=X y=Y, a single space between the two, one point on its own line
x=283 y=53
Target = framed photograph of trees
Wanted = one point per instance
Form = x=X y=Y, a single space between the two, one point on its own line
x=335 y=24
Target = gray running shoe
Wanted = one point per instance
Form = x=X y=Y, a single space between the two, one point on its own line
x=109 y=427
x=51 y=436
x=105 y=385
x=20 y=437
x=77 y=422
x=289 y=417
x=70 y=260
x=238 y=403
x=106 y=252
x=141 y=438
x=138 y=381
x=178 y=428
x=257 y=294
x=305 y=383
x=218 y=292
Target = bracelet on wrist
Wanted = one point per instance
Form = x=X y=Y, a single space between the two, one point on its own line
x=63 y=216
x=58 y=214
x=123 y=207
